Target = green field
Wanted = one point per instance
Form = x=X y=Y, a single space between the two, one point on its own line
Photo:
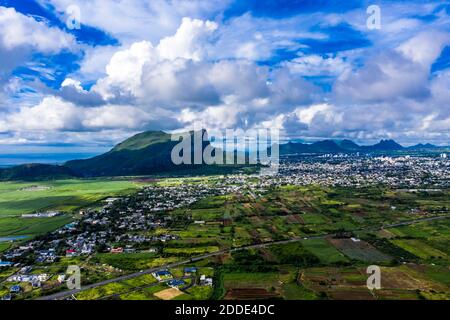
x=17 y=198
x=190 y=251
x=4 y=246
x=16 y=226
x=324 y=251
x=132 y=261
x=420 y=249
x=199 y=293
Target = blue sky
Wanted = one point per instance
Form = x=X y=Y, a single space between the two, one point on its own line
x=312 y=68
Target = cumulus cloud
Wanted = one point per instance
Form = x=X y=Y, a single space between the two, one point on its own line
x=387 y=76
x=20 y=37
x=394 y=74
x=72 y=90
x=17 y=30
x=51 y=114
x=179 y=62
x=170 y=85
x=189 y=42
x=139 y=20
x=159 y=66
x=124 y=71
x=94 y=62
x=426 y=47
x=177 y=74
x=316 y=65
x=56 y=114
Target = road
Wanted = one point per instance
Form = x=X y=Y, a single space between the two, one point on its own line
x=64 y=294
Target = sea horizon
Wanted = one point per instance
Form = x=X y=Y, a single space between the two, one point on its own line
x=10 y=160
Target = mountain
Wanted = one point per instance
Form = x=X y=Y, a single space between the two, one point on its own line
x=422 y=146
x=327 y=146
x=144 y=154
x=295 y=148
x=384 y=145
x=348 y=145
x=141 y=154
x=36 y=172
x=142 y=140
x=342 y=146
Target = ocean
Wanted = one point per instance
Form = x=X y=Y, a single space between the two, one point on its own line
x=9 y=160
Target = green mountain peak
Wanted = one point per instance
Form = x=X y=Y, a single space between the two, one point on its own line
x=142 y=141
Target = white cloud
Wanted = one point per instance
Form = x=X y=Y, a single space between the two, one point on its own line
x=189 y=42
x=17 y=30
x=20 y=37
x=136 y=20
x=306 y=115
x=95 y=60
x=124 y=71
x=115 y=116
x=214 y=117
x=177 y=74
x=394 y=74
x=51 y=114
x=144 y=66
x=316 y=65
x=170 y=71
x=425 y=48
x=56 y=114
x=68 y=82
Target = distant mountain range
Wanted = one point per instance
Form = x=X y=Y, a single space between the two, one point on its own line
x=149 y=153
x=348 y=146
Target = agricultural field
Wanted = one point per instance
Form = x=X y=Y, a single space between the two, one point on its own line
x=133 y=261
x=403 y=282
x=324 y=251
x=4 y=246
x=306 y=243
x=253 y=285
x=17 y=198
x=359 y=250
x=420 y=249
x=426 y=241
x=15 y=227
x=168 y=294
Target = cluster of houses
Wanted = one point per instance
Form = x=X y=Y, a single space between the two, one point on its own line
x=162 y=275
x=120 y=223
x=117 y=228
x=6 y=264
x=24 y=276
x=22 y=250
x=405 y=171
x=189 y=272
x=34 y=279
x=49 y=214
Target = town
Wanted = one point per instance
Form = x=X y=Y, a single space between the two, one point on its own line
x=143 y=222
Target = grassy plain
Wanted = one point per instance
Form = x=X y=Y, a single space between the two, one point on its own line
x=17 y=198
x=324 y=251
